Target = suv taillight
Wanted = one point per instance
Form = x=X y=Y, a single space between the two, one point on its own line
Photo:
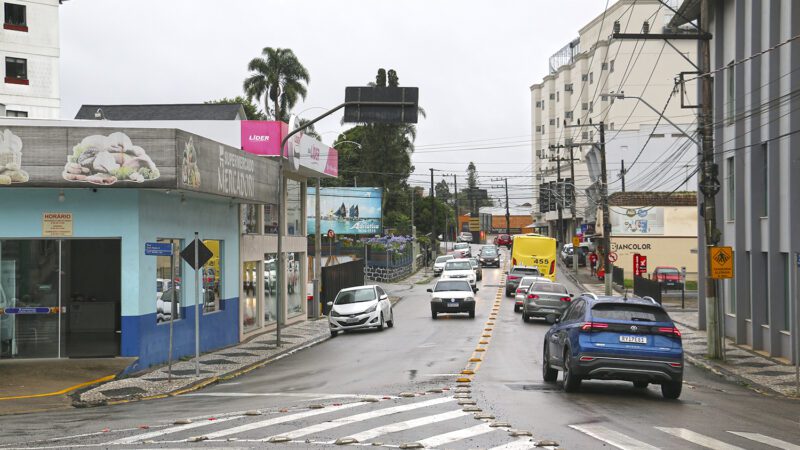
x=513 y=277
x=533 y=296
x=594 y=326
x=520 y=291
x=671 y=331
x=566 y=299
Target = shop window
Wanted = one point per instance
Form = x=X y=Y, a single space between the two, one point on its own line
x=249 y=215
x=249 y=302
x=16 y=70
x=270 y=288
x=168 y=283
x=212 y=277
x=12 y=113
x=294 y=208
x=295 y=282
x=15 y=17
x=270 y=219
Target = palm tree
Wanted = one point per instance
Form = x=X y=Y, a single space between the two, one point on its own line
x=278 y=76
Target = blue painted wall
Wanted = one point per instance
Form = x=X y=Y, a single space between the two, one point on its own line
x=138 y=216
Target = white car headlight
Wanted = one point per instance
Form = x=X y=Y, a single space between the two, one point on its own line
x=436 y=299
x=469 y=299
x=371 y=309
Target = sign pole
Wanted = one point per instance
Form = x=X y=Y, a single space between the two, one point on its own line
x=172 y=308
x=196 y=308
x=797 y=324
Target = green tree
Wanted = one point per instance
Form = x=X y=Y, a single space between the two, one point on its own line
x=443 y=191
x=250 y=109
x=278 y=77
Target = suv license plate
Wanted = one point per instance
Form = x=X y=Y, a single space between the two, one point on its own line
x=633 y=339
x=452 y=305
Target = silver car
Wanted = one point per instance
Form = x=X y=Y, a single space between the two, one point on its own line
x=547 y=300
x=522 y=290
x=438 y=266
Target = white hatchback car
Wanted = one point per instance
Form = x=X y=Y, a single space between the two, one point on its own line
x=360 y=307
x=452 y=296
x=459 y=269
x=438 y=266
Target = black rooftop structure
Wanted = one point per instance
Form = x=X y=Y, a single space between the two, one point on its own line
x=186 y=111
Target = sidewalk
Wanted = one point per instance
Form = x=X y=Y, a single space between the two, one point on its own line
x=226 y=363
x=744 y=366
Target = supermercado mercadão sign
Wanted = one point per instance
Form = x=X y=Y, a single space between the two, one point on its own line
x=70 y=157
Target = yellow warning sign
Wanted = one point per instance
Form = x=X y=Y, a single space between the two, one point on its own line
x=474 y=224
x=576 y=242
x=721 y=262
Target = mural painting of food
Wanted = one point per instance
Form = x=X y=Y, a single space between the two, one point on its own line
x=106 y=160
x=190 y=173
x=11 y=159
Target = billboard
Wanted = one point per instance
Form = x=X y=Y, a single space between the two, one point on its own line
x=263 y=138
x=637 y=221
x=346 y=210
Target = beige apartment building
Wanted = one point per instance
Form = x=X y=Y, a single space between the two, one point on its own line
x=576 y=90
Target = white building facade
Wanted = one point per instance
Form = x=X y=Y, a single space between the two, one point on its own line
x=756 y=152
x=29 y=47
x=582 y=76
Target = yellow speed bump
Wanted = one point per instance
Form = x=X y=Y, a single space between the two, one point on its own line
x=475 y=360
x=467 y=372
x=483 y=342
x=463 y=380
x=480 y=349
x=486 y=335
x=489 y=323
x=487 y=329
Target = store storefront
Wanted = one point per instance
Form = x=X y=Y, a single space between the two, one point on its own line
x=82 y=203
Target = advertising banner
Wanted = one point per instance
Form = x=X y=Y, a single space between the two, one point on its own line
x=346 y=210
x=637 y=221
x=262 y=137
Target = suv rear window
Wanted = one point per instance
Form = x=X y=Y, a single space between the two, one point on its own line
x=525 y=271
x=629 y=312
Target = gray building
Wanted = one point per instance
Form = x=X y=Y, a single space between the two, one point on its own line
x=756 y=144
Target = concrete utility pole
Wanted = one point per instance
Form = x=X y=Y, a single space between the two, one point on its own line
x=560 y=201
x=572 y=207
x=622 y=175
x=455 y=201
x=317 y=252
x=433 y=219
x=606 y=215
x=709 y=184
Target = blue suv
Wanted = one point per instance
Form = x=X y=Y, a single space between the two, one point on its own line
x=615 y=338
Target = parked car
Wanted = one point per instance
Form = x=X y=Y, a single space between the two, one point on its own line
x=567 y=251
x=452 y=296
x=503 y=240
x=463 y=249
x=668 y=277
x=545 y=299
x=360 y=307
x=465 y=236
x=459 y=269
x=522 y=290
x=438 y=265
x=477 y=268
x=615 y=338
x=489 y=257
x=515 y=275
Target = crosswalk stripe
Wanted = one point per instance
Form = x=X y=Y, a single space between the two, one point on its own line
x=363 y=416
x=519 y=444
x=169 y=430
x=766 y=440
x=612 y=437
x=367 y=435
x=699 y=439
x=281 y=419
x=457 y=435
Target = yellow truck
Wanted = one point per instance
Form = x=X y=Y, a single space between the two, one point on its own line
x=535 y=250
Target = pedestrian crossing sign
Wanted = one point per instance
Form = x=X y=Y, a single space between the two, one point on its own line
x=721 y=262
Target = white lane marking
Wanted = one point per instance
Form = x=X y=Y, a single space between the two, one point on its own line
x=766 y=440
x=406 y=425
x=612 y=437
x=361 y=417
x=453 y=436
x=519 y=444
x=699 y=439
x=311 y=395
x=170 y=430
x=282 y=419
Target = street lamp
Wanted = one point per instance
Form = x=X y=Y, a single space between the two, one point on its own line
x=622 y=96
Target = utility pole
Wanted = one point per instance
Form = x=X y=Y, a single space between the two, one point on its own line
x=572 y=207
x=560 y=202
x=508 y=214
x=622 y=175
x=709 y=184
x=433 y=219
x=455 y=197
x=606 y=215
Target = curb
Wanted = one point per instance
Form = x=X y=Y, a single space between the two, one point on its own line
x=759 y=388
x=62 y=391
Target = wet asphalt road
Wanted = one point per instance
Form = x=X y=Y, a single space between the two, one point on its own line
x=416 y=356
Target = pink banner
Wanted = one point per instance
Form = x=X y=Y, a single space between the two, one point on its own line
x=262 y=137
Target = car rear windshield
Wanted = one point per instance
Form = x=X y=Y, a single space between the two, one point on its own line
x=552 y=288
x=669 y=271
x=444 y=258
x=458 y=265
x=460 y=246
x=357 y=296
x=525 y=271
x=629 y=312
x=452 y=286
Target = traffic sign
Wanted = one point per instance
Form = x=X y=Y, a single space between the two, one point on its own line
x=612 y=257
x=474 y=224
x=203 y=254
x=331 y=234
x=158 y=248
x=29 y=310
x=721 y=262
x=576 y=242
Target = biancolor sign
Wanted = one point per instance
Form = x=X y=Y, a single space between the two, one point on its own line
x=346 y=210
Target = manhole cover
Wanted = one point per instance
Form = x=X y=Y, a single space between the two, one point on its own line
x=216 y=362
x=238 y=355
x=123 y=392
x=534 y=387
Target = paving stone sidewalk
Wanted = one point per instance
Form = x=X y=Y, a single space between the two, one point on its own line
x=744 y=366
x=225 y=363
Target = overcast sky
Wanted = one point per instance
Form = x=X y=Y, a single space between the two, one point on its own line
x=473 y=62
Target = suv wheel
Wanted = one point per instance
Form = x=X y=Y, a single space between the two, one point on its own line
x=525 y=317
x=549 y=374
x=672 y=390
x=472 y=313
x=433 y=314
x=572 y=382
